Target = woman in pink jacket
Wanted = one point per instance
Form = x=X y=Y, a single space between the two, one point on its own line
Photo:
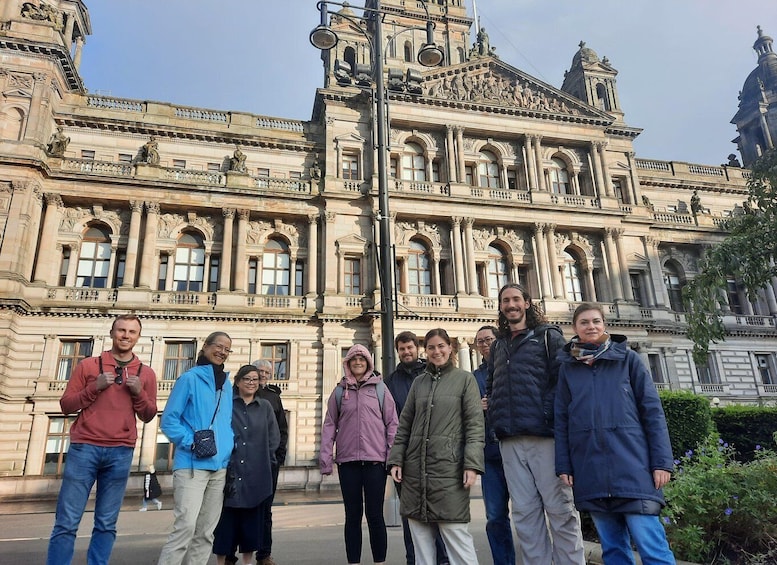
x=361 y=419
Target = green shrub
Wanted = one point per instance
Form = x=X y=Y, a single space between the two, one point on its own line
x=688 y=419
x=720 y=510
x=745 y=427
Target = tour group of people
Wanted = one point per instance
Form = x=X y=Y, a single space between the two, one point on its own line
x=551 y=426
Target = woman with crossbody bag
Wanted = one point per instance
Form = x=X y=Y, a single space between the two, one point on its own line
x=198 y=420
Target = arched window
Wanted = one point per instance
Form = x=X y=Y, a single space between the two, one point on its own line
x=559 y=177
x=189 y=267
x=419 y=274
x=95 y=258
x=349 y=54
x=572 y=285
x=498 y=271
x=488 y=170
x=276 y=268
x=413 y=163
x=408 y=51
x=12 y=124
x=462 y=56
x=674 y=286
x=601 y=97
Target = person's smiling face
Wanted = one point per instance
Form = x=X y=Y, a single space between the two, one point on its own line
x=248 y=384
x=589 y=326
x=438 y=351
x=358 y=366
x=218 y=351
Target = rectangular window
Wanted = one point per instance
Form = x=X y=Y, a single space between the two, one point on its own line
x=707 y=373
x=253 y=266
x=214 y=168
x=353 y=275
x=393 y=166
x=179 y=163
x=57 y=444
x=87 y=154
x=64 y=266
x=213 y=273
x=637 y=289
x=125 y=158
x=164 y=259
x=299 y=272
x=766 y=370
x=179 y=358
x=351 y=166
x=263 y=173
x=278 y=355
x=655 y=367
x=121 y=265
x=71 y=352
x=512 y=180
x=436 y=170
x=469 y=175
x=734 y=300
x=617 y=187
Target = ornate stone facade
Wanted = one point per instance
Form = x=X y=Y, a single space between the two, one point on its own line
x=494 y=176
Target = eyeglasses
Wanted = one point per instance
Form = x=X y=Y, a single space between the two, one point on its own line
x=119 y=375
x=486 y=341
x=251 y=381
x=222 y=348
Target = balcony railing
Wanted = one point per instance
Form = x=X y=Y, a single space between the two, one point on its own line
x=184 y=298
x=91 y=166
x=428 y=302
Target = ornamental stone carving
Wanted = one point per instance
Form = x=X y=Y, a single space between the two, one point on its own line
x=481 y=238
x=168 y=223
x=72 y=217
x=42 y=12
x=257 y=232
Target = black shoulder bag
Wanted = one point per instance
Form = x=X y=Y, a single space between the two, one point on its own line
x=204 y=445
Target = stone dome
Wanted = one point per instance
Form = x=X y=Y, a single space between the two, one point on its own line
x=765 y=74
x=584 y=55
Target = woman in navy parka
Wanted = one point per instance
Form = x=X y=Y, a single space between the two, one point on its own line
x=612 y=443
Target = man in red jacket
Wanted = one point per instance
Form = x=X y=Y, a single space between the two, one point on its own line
x=107 y=392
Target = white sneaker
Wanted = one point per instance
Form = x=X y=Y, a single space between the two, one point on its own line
x=159 y=505
x=144 y=509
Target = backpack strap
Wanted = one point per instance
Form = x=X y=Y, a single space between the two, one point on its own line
x=380 y=390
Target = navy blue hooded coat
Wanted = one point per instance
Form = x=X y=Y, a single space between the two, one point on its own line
x=610 y=427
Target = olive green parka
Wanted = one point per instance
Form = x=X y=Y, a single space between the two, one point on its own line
x=441 y=431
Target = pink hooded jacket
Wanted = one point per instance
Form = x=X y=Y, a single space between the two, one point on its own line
x=361 y=430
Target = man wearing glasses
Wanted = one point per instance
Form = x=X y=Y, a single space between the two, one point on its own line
x=496 y=497
x=107 y=391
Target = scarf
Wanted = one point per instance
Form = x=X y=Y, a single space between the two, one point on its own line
x=218 y=371
x=589 y=352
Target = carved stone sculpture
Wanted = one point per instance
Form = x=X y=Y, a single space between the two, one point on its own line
x=58 y=143
x=149 y=153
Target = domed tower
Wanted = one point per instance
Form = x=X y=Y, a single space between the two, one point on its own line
x=592 y=80
x=756 y=120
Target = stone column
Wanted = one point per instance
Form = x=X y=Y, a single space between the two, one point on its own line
x=575 y=180
x=450 y=154
x=330 y=274
x=541 y=261
x=241 y=259
x=458 y=256
x=589 y=279
x=312 y=286
x=38 y=107
x=112 y=266
x=436 y=275
x=148 y=254
x=656 y=272
x=765 y=129
x=612 y=261
x=225 y=282
x=72 y=268
x=465 y=359
x=634 y=176
x=24 y=258
x=460 y=153
x=46 y=269
x=605 y=170
x=530 y=165
x=596 y=162
x=70 y=21
x=79 y=50
x=170 y=277
x=133 y=242
x=628 y=294
x=555 y=274
x=472 y=275
x=540 y=169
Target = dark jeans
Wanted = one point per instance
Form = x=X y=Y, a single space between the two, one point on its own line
x=496 y=498
x=442 y=553
x=363 y=484
x=265 y=519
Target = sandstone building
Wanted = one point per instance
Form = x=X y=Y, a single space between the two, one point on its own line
x=266 y=228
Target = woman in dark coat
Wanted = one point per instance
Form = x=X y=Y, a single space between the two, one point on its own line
x=249 y=476
x=612 y=443
x=438 y=453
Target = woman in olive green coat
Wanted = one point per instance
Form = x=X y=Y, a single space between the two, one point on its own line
x=438 y=453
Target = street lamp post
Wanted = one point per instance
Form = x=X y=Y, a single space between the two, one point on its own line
x=324 y=38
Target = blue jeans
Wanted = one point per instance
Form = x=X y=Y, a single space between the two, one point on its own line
x=496 y=498
x=86 y=464
x=616 y=531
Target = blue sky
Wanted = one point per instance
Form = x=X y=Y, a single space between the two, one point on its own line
x=681 y=63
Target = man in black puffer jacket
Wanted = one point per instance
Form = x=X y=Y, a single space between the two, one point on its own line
x=521 y=388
